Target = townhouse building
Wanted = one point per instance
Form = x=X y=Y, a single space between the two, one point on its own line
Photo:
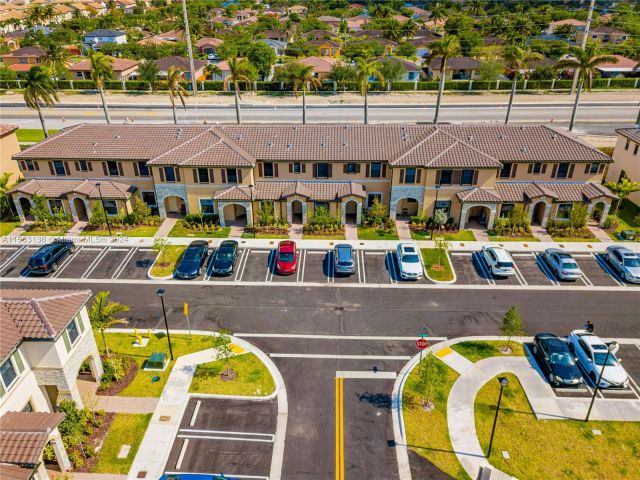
x=475 y=172
x=626 y=155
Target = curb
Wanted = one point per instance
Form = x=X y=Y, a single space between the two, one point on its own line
x=443 y=282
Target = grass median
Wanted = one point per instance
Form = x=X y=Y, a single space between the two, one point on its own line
x=180 y=229
x=126 y=429
x=477 y=350
x=141 y=231
x=7 y=227
x=513 y=239
x=372 y=233
x=459 y=236
x=437 y=264
x=252 y=377
x=553 y=448
x=167 y=259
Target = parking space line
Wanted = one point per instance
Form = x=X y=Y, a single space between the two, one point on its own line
x=302 y=261
x=603 y=264
x=484 y=267
x=519 y=275
x=331 y=277
x=323 y=356
x=270 y=266
x=66 y=263
x=128 y=256
x=358 y=266
x=15 y=255
x=586 y=279
x=95 y=263
x=542 y=264
x=634 y=387
x=241 y=265
x=207 y=272
x=183 y=450
x=339 y=419
x=390 y=260
x=195 y=413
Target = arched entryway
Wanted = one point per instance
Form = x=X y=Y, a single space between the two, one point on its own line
x=81 y=209
x=407 y=207
x=88 y=378
x=351 y=212
x=175 y=206
x=539 y=211
x=235 y=214
x=25 y=204
x=478 y=216
x=596 y=214
x=296 y=212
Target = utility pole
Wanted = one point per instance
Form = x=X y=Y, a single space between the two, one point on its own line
x=194 y=82
x=583 y=44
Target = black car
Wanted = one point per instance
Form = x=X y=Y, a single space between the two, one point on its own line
x=48 y=257
x=224 y=258
x=193 y=258
x=556 y=360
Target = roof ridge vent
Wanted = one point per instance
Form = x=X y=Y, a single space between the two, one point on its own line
x=117 y=135
x=344 y=144
x=522 y=127
x=95 y=143
x=554 y=136
x=270 y=144
x=502 y=136
x=289 y=146
x=523 y=149
x=469 y=138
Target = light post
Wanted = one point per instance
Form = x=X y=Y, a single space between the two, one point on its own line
x=106 y=217
x=610 y=349
x=160 y=293
x=504 y=381
x=253 y=227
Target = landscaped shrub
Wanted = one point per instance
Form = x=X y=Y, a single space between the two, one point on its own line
x=517 y=224
x=44 y=220
x=611 y=223
x=322 y=223
x=114 y=370
x=140 y=215
x=198 y=221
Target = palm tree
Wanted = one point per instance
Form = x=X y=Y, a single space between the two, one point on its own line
x=148 y=72
x=438 y=12
x=4 y=188
x=40 y=89
x=102 y=314
x=518 y=58
x=101 y=70
x=56 y=58
x=366 y=69
x=239 y=71
x=392 y=29
x=586 y=62
x=476 y=8
x=444 y=48
x=212 y=69
x=174 y=76
x=302 y=76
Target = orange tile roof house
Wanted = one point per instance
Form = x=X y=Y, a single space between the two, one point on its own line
x=9 y=146
x=321 y=65
x=24 y=56
x=622 y=68
x=605 y=34
x=208 y=44
x=123 y=69
x=182 y=63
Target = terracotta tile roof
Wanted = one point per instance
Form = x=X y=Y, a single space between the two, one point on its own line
x=6 y=129
x=480 y=195
x=23 y=435
x=408 y=65
x=558 y=191
x=60 y=187
x=609 y=30
x=630 y=133
x=178 y=62
x=456 y=63
x=279 y=190
x=118 y=65
x=15 y=472
x=318 y=43
x=154 y=41
x=623 y=63
x=215 y=42
x=368 y=33
x=27 y=52
x=320 y=64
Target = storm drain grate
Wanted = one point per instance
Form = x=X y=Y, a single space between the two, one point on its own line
x=339 y=309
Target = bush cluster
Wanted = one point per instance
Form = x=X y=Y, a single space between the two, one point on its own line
x=114 y=369
x=516 y=224
x=140 y=215
x=322 y=223
x=201 y=221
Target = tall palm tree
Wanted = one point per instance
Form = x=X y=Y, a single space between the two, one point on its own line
x=444 y=48
x=518 y=59
x=174 y=76
x=586 y=62
x=56 y=58
x=102 y=314
x=239 y=71
x=4 y=196
x=438 y=12
x=212 y=69
x=39 y=89
x=302 y=79
x=101 y=70
x=476 y=8
x=366 y=69
x=392 y=29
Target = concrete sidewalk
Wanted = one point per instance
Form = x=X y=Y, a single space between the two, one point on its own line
x=112 y=403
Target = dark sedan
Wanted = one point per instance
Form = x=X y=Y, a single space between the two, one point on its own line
x=48 y=257
x=223 y=260
x=556 y=360
x=190 y=265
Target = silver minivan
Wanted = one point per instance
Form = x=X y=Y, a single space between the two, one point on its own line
x=343 y=259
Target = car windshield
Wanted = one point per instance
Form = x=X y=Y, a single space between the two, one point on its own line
x=561 y=358
x=570 y=266
x=345 y=263
x=600 y=356
x=286 y=257
x=505 y=265
x=631 y=262
x=225 y=255
x=38 y=261
x=190 y=255
x=410 y=258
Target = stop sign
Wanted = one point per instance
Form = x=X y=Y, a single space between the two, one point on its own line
x=422 y=343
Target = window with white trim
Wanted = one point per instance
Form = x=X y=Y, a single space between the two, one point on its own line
x=72 y=333
x=206 y=205
x=564 y=211
x=10 y=371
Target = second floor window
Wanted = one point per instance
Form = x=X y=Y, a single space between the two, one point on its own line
x=563 y=170
x=351 y=168
x=112 y=168
x=410 y=175
x=505 y=172
x=323 y=170
x=537 y=168
x=232 y=175
x=446 y=177
x=170 y=174
x=296 y=168
x=376 y=170
x=8 y=373
x=267 y=169
x=30 y=165
x=143 y=169
x=83 y=166
x=203 y=175
x=467 y=177
x=58 y=167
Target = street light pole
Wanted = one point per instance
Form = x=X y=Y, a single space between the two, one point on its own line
x=253 y=227
x=160 y=293
x=503 y=383
x=106 y=217
x=610 y=348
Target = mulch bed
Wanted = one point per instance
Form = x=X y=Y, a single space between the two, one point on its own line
x=96 y=439
x=116 y=387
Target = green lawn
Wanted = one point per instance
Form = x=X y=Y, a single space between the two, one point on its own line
x=142 y=386
x=265 y=235
x=627 y=217
x=477 y=350
x=575 y=240
x=7 y=227
x=141 y=231
x=513 y=239
x=126 y=429
x=181 y=230
x=170 y=256
x=323 y=237
x=32 y=134
x=459 y=236
x=44 y=233
x=253 y=377
x=553 y=448
x=427 y=432
x=372 y=233
x=432 y=259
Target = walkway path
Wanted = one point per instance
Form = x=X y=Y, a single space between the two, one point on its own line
x=167 y=225
x=77 y=228
x=112 y=403
x=236 y=231
x=350 y=231
x=480 y=234
x=600 y=234
x=402 y=225
x=20 y=229
x=541 y=233
x=295 y=231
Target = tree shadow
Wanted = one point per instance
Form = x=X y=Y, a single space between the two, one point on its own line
x=378 y=400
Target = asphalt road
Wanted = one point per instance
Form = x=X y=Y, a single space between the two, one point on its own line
x=594 y=117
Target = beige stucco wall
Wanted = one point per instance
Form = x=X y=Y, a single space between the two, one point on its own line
x=9 y=146
x=627 y=161
x=578 y=175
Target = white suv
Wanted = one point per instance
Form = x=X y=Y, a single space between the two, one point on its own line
x=409 y=262
x=498 y=260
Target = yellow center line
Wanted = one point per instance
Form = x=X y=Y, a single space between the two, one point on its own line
x=339 y=468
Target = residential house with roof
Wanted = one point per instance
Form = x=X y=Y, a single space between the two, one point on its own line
x=322 y=66
x=357 y=23
x=297 y=9
x=45 y=337
x=333 y=23
x=181 y=63
x=626 y=159
x=605 y=34
x=22 y=59
x=208 y=45
x=326 y=48
x=477 y=171
x=412 y=72
x=123 y=69
x=279 y=35
x=624 y=67
x=104 y=35
x=578 y=25
x=458 y=68
x=318 y=35
x=277 y=46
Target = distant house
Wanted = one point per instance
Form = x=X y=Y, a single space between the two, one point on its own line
x=123 y=69
x=153 y=41
x=224 y=71
x=390 y=46
x=318 y=34
x=277 y=46
x=604 y=34
x=321 y=65
x=24 y=58
x=326 y=48
x=533 y=65
x=172 y=36
x=368 y=34
x=103 y=35
x=579 y=25
x=412 y=72
x=332 y=22
x=182 y=63
x=275 y=35
x=208 y=45
x=624 y=68
x=297 y=9
x=422 y=45
x=355 y=24
x=458 y=68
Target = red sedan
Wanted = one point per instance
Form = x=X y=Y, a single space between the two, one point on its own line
x=286 y=258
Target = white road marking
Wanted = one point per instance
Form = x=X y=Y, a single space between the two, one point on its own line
x=271 y=266
x=586 y=280
x=375 y=253
x=66 y=263
x=331 y=276
x=8 y=248
x=339 y=357
x=485 y=269
x=228 y=432
x=542 y=264
x=243 y=266
x=13 y=257
x=195 y=413
x=302 y=260
x=605 y=266
x=228 y=475
x=113 y=249
x=461 y=254
x=233 y=439
x=183 y=450
x=332 y=337
x=95 y=262
x=519 y=275
x=128 y=256
x=391 y=265
x=146 y=250
x=367 y=374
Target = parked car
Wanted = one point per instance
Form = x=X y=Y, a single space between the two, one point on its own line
x=591 y=351
x=213 y=56
x=190 y=265
x=562 y=264
x=48 y=257
x=224 y=258
x=498 y=260
x=409 y=263
x=557 y=360
x=625 y=262
x=286 y=258
x=343 y=259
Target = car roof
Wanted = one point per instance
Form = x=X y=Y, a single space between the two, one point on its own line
x=287 y=245
x=592 y=340
x=408 y=247
x=622 y=250
x=343 y=246
x=228 y=243
x=555 y=344
x=501 y=253
x=198 y=243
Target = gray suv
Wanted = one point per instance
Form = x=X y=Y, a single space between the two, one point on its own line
x=343 y=259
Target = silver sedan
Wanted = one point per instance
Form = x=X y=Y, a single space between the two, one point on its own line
x=562 y=264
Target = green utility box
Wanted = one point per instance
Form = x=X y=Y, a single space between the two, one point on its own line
x=628 y=235
x=157 y=361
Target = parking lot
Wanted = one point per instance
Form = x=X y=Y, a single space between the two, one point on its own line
x=230 y=437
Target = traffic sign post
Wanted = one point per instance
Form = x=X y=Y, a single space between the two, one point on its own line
x=421 y=344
